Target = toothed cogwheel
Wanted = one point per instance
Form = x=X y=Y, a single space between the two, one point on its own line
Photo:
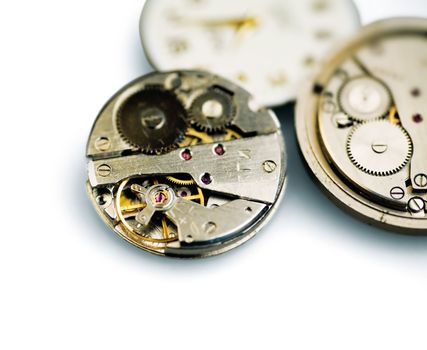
x=379 y=148
x=180 y=182
x=153 y=120
x=365 y=98
x=212 y=111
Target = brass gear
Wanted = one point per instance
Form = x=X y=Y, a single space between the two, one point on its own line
x=180 y=182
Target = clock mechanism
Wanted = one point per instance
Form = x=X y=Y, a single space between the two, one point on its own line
x=362 y=126
x=181 y=164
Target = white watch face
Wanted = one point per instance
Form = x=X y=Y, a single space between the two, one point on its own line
x=267 y=46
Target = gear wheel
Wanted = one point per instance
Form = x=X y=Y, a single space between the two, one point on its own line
x=379 y=148
x=180 y=182
x=153 y=120
x=212 y=111
x=365 y=99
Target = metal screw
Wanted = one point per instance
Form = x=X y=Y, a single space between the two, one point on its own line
x=342 y=120
x=397 y=193
x=173 y=82
x=416 y=205
x=189 y=239
x=103 y=200
x=269 y=166
x=103 y=144
x=421 y=180
x=104 y=170
x=210 y=228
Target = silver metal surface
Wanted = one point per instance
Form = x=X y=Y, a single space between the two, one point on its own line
x=379 y=148
x=362 y=129
x=239 y=172
x=209 y=194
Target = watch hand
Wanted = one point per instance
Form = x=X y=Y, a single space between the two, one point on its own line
x=244 y=27
x=236 y=23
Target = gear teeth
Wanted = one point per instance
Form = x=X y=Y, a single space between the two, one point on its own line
x=375 y=116
x=374 y=172
x=210 y=131
x=180 y=182
x=162 y=150
x=218 y=125
x=156 y=141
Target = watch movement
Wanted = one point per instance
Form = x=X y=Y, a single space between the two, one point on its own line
x=362 y=125
x=181 y=164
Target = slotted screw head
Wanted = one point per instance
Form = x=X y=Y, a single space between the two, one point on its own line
x=421 y=180
x=104 y=170
x=416 y=205
x=397 y=193
x=269 y=166
x=103 y=144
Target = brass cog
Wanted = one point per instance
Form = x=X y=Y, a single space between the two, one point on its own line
x=180 y=182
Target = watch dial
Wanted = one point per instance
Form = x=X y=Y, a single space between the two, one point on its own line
x=267 y=46
x=364 y=123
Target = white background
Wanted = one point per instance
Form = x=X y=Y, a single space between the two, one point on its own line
x=315 y=278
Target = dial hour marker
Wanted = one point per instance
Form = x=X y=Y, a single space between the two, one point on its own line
x=242 y=77
x=278 y=79
x=323 y=34
x=177 y=45
x=320 y=5
x=309 y=60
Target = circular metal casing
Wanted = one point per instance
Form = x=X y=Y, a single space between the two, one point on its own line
x=395 y=52
x=199 y=192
